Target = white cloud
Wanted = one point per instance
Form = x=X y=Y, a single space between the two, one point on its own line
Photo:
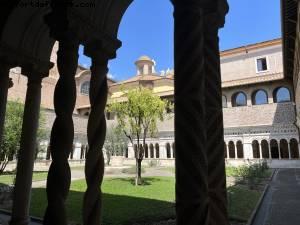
x=109 y=75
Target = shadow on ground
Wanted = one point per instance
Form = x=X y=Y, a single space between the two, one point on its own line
x=117 y=209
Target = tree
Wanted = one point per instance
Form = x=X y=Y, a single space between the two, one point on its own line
x=115 y=143
x=12 y=133
x=137 y=118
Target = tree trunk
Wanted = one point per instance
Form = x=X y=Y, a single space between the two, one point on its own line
x=138 y=178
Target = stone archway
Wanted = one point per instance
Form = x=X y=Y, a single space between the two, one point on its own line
x=240 y=150
x=231 y=148
x=274 y=149
x=294 y=146
x=284 y=149
x=197 y=23
x=265 y=149
x=255 y=149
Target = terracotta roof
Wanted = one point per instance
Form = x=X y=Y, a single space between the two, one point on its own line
x=141 y=78
x=250 y=47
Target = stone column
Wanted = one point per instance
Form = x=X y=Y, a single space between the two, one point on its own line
x=279 y=150
x=196 y=67
x=227 y=150
x=269 y=147
x=260 y=150
x=94 y=167
x=4 y=85
x=192 y=198
x=26 y=154
x=235 y=151
x=289 y=149
x=62 y=135
x=213 y=21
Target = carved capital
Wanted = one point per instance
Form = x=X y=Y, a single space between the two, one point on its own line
x=102 y=50
x=216 y=9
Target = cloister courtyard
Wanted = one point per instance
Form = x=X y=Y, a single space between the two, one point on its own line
x=151 y=203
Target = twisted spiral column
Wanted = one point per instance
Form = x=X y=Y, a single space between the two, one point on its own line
x=26 y=154
x=4 y=85
x=214 y=124
x=192 y=200
x=62 y=135
x=94 y=166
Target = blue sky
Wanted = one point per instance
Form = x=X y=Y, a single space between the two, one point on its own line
x=147 y=29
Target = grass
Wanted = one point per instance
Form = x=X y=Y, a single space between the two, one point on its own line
x=242 y=202
x=8 y=179
x=123 y=203
x=234 y=172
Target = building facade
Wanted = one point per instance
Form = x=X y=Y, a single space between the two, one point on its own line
x=258 y=106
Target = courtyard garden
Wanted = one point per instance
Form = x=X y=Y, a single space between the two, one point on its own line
x=153 y=201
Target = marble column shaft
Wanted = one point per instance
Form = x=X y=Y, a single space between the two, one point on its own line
x=62 y=134
x=26 y=154
x=94 y=166
x=192 y=198
x=214 y=123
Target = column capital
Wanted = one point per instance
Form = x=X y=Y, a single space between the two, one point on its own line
x=216 y=8
x=102 y=50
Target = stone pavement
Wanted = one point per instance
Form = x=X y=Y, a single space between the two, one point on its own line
x=281 y=205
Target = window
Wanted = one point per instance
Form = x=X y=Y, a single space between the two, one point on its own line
x=261 y=64
x=239 y=99
x=260 y=97
x=85 y=88
x=282 y=94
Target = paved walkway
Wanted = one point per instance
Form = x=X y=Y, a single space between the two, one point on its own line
x=281 y=205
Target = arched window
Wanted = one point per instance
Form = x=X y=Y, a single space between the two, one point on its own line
x=224 y=101
x=168 y=147
x=146 y=151
x=282 y=94
x=274 y=149
x=239 y=99
x=284 y=149
x=294 y=149
x=231 y=147
x=255 y=149
x=157 y=150
x=259 y=97
x=240 y=149
x=85 y=88
x=265 y=149
x=151 y=151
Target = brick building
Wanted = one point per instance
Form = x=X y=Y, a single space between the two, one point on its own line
x=258 y=105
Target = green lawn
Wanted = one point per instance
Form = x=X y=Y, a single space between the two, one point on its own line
x=9 y=178
x=123 y=203
x=242 y=202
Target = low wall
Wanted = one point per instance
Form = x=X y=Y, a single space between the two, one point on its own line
x=272 y=163
x=152 y=162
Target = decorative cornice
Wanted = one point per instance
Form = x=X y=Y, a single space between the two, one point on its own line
x=253 y=80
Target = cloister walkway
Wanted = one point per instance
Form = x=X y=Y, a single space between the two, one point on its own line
x=281 y=205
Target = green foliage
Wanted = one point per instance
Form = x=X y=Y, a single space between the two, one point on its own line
x=137 y=118
x=251 y=173
x=12 y=132
x=115 y=143
x=139 y=114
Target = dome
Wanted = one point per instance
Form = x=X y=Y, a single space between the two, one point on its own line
x=144 y=57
